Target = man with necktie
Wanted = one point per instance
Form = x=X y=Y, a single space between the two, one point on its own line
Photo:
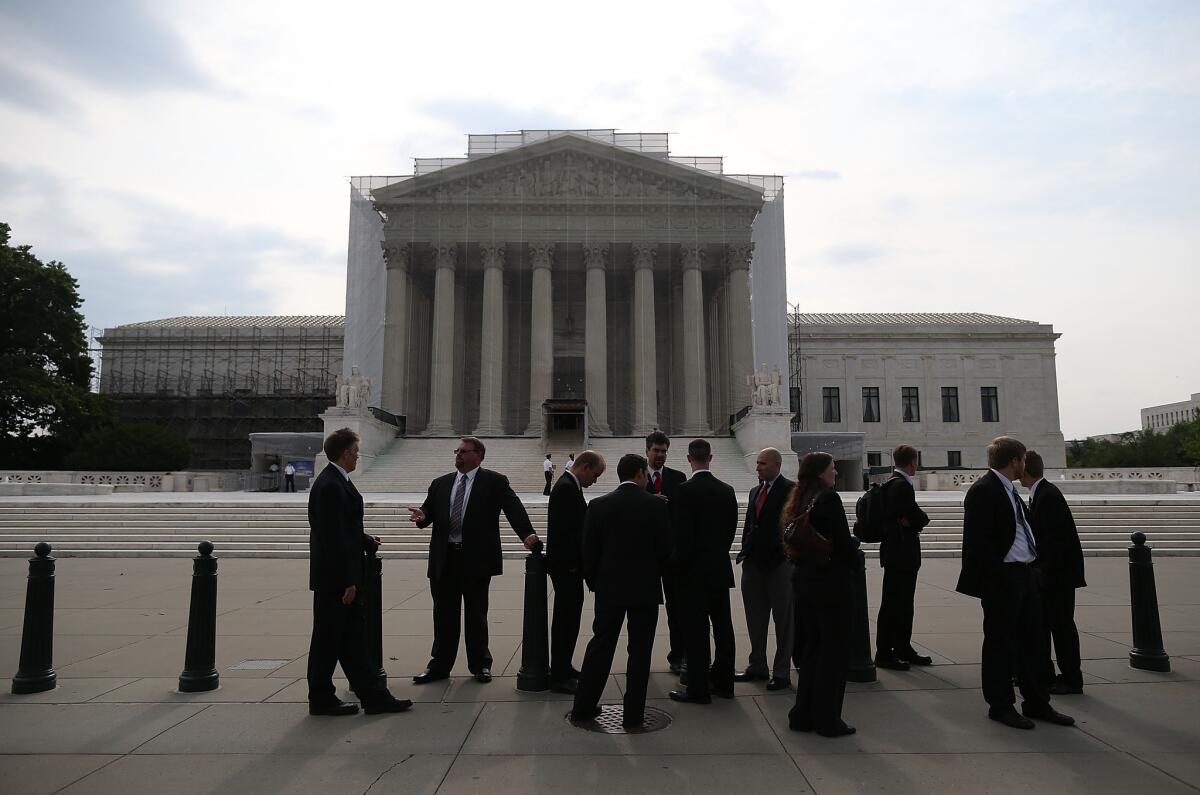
x=663 y=481
x=464 y=508
x=998 y=557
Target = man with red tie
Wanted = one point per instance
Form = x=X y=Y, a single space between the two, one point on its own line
x=663 y=481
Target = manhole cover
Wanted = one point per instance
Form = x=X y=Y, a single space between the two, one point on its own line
x=611 y=716
x=259 y=665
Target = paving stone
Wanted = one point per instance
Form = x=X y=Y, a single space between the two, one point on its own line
x=86 y=728
x=35 y=774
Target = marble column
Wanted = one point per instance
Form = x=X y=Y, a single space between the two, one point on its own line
x=395 y=329
x=740 y=326
x=541 y=334
x=695 y=372
x=441 y=376
x=595 y=352
x=491 y=354
x=645 y=369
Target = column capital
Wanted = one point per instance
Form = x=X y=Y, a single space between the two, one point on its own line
x=739 y=256
x=396 y=256
x=492 y=255
x=643 y=255
x=595 y=255
x=541 y=255
x=691 y=257
x=445 y=256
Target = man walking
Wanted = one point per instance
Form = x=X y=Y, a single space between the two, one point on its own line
x=564 y=562
x=336 y=543
x=766 y=581
x=464 y=508
x=998 y=556
x=1060 y=564
x=663 y=480
x=548 y=469
x=702 y=529
x=900 y=557
x=626 y=545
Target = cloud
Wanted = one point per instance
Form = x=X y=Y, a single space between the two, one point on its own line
x=23 y=89
x=816 y=173
x=854 y=253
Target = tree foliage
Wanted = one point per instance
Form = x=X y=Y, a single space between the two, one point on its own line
x=45 y=372
x=1176 y=446
x=130 y=447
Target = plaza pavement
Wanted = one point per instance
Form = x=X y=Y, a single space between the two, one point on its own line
x=116 y=724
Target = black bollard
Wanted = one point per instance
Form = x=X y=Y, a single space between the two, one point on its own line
x=862 y=664
x=534 y=675
x=373 y=605
x=1147 y=653
x=35 y=673
x=200 y=659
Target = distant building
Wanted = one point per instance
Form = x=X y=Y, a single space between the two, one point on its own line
x=1160 y=418
x=215 y=380
x=945 y=383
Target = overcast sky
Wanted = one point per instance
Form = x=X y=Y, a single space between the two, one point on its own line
x=1037 y=160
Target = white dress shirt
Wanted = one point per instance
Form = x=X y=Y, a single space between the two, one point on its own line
x=345 y=474
x=547 y=465
x=1020 y=551
x=906 y=476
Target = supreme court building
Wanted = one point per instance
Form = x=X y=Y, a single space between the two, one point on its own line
x=582 y=280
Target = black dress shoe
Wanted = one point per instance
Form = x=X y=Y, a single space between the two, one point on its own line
x=483 y=676
x=775 y=683
x=677 y=668
x=568 y=686
x=687 y=698
x=721 y=692
x=843 y=729
x=1061 y=688
x=429 y=676
x=798 y=726
x=1009 y=717
x=749 y=676
x=915 y=659
x=333 y=708
x=634 y=723
x=890 y=662
x=389 y=704
x=1048 y=714
x=580 y=715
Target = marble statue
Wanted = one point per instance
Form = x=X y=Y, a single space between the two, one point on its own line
x=353 y=392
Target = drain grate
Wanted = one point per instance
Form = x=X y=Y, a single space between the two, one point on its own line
x=611 y=716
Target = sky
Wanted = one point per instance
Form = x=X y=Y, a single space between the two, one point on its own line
x=1038 y=160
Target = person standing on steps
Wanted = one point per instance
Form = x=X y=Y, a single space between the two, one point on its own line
x=548 y=468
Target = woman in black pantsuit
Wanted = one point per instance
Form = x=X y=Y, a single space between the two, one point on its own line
x=824 y=594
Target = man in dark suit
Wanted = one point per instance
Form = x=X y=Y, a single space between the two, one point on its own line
x=702 y=531
x=663 y=481
x=998 y=556
x=900 y=557
x=766 y=581
x=336 y=546
x=626 y=546
x=1060 y=564
x=564 y=562
x=464 y=554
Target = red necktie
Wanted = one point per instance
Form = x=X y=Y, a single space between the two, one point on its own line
x=762 y=498
x=657 y=483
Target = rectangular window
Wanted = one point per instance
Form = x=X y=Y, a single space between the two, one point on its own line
x=910 y=403
x=870 y=404
x=831 y=404
x=990 y=398
x=874 y=459
x=949 y=404
x=954 y=458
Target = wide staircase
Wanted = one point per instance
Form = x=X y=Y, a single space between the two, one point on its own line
x=275 y=528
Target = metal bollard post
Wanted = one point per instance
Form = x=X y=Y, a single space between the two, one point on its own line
x=35 y=673
x=373 y=605
x=200 y=659
x=862 y=664
x=1147 y=653
x=534 y=675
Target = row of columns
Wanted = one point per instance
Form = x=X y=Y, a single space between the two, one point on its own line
x=596 y=259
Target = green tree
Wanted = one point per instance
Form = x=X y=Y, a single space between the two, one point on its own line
x=45 y=372
x=1176 y=446
x=131 y=447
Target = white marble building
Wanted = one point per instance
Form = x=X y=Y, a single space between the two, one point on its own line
x=945 y=383
x=1160 y=418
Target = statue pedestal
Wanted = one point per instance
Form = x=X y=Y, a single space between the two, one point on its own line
x=767 y=426
x=375 y=436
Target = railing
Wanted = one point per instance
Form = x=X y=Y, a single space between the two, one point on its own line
x=734 y=419
x=134 y=481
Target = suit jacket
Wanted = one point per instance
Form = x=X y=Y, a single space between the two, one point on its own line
x=336 y=540
x=672 y=479
x=564 y=526
x=1060 y=555
x=626 y=547
x=702 y=528
x=490 y=495
x=760 y=534
x=989 y=527
x=901 y=546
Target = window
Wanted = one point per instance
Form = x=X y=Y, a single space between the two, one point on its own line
x=870 y=404
x=949 y=404
x=954 y=458
x=831 y=404
x=874 y=459
x=991 y=403
x=910 y=402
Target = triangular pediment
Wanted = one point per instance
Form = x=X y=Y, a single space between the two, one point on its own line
x=571 y=168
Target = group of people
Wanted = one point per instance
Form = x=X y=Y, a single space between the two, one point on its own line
x=664 y=537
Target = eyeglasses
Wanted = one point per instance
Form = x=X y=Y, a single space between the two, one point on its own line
x=461 y=451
